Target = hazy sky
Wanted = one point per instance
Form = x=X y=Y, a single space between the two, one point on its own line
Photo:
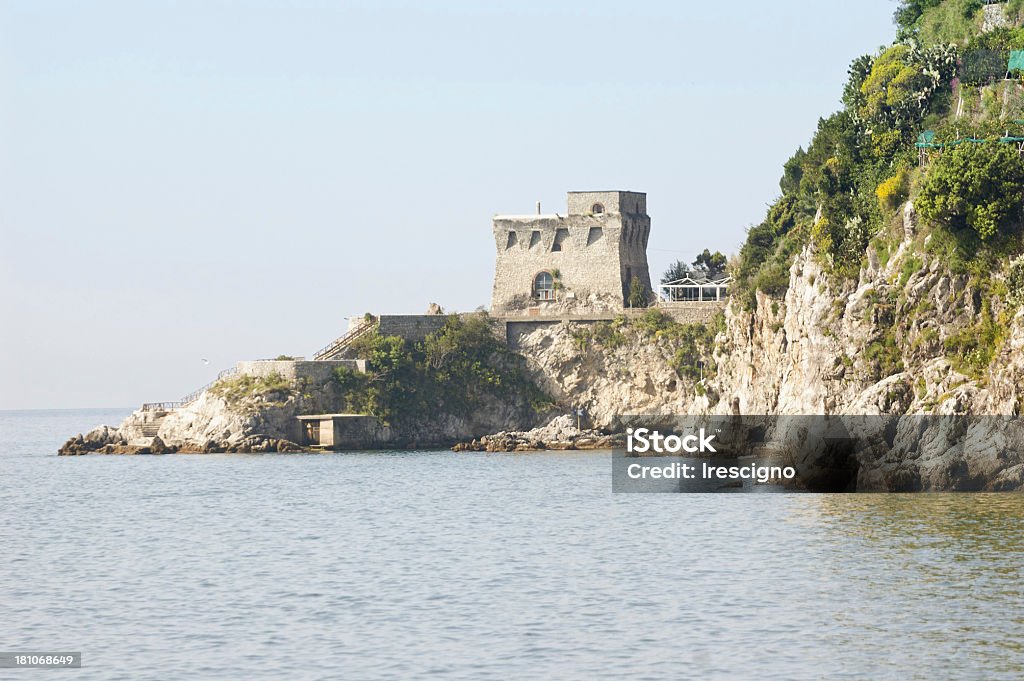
x=231 y=180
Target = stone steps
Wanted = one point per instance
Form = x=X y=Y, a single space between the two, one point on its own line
x=152 y=428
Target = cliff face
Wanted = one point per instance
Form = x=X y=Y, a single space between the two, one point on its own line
x=870 y=347
x=876 y=346
x=634 y=378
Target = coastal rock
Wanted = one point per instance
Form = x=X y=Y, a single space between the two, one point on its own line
x=561 y=433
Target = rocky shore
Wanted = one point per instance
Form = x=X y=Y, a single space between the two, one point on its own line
x=560 y=434
x=107 y=440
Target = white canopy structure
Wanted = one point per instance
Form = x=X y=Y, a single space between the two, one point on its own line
x=690 y=290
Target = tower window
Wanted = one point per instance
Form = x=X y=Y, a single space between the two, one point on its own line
x=534 y=238
x=544 y=286
x=595 y=234
x=561 y=235
x=512 y=240
x=597 y=209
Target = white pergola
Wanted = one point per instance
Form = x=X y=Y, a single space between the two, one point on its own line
x=690 y=290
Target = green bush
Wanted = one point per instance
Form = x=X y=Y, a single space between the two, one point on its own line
x=652 y=321
x=903 y=83
x=978 y=186
x=971 y=350
x=238 y=388
x=581 y=337
x=885 y=356
x=1015 y=284
x=609 y=334
x=910 y=266
x=449 y=372
x=695 y=345
x=638 y=295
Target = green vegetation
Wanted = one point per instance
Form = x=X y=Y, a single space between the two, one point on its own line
x=692 y=345
x=451 y=371
x=237 y=388
x=910 y=265
x=884 y=355
x=892 y=193
x=1015 y=284
x=638 y=295
x=768 y=252
x=971 y=350
x=609 y=334
x=710 y=265
x=978 y=186
x=847 y=187
x=901 y=84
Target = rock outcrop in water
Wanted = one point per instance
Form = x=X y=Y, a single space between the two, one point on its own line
x=561 y=433
x=256 y=422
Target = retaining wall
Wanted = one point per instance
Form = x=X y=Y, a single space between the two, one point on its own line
x=317 y=372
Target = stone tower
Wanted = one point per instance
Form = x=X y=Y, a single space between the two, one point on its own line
x=581 y=262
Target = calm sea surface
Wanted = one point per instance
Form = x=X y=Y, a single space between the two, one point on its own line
x=409 y=565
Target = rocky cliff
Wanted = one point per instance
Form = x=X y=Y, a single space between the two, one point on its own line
x=878 y=345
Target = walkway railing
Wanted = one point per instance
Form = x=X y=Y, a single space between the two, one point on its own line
x=160 y=406
x=191 y=397
x=340 y=344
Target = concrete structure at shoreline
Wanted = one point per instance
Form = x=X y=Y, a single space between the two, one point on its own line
x=586 y=260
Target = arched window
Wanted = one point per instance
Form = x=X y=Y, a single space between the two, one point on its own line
x=597 y=209
x=544 y=286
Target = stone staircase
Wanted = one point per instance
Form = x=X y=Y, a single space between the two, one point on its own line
x=151 y=428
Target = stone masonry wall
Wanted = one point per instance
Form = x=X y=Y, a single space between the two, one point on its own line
x=596 y=251
x=411 y=327
x=695 y=312
x=317 y=372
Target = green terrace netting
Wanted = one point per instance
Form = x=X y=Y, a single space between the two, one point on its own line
x=926 y=140
x=1016 y=61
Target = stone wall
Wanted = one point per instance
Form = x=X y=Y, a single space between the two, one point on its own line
x=593 y=254
x=411 y=327
x=684 y=313
x=994 y=17
x=582 y=203
x=317 y=372
x=695 y=312
x=347 y=431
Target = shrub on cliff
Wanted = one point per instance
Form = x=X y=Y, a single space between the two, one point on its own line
x=1015 y=284
x=693 y=358
x=975 y=186
x=236 y=389
x=892 y=192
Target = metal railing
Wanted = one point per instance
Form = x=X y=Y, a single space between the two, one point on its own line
x=344 y=341
x=191 y=397
x=160 y=406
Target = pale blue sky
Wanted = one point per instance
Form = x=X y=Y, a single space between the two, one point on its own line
x=230 y=180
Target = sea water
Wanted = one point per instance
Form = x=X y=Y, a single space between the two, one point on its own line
x=418 y=564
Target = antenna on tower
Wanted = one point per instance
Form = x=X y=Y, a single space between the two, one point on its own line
x=538 y=208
